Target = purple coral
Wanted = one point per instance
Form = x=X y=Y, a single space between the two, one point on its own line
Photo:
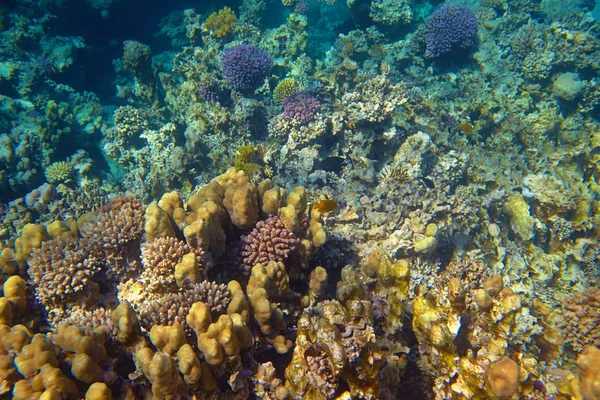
x=301 y=7
x=301 y=107
x=451 y=26
x=268 y=241
x=209 y=95
x=245 y=67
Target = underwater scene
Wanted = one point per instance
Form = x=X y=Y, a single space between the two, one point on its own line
x=300 y=199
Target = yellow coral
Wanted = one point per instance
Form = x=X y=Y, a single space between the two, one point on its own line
x=158 y=223
x=60 y=171
x=520 y=218
x=283 y=89
x=126 y=321
x=588 y=364
x=167 y=339
x=503 y=378
x=220 y=24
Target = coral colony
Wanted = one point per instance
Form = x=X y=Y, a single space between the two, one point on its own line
x=376 y=199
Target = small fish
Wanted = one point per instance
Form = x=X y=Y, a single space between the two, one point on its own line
x=428 y=182
x=325 y=205
x=332 y=164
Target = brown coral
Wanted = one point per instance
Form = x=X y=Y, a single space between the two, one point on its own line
x=268 y=241
x=116 y=233
x=159 y=259
x=171 y=308
x=61 y=271
x=503 y=378
x=580 y=322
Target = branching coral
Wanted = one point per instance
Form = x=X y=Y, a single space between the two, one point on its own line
x=268 y=241
x=450 y=27
x=220 y=24
x=245 y=67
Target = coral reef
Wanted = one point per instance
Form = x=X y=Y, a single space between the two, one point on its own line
x=378 y=200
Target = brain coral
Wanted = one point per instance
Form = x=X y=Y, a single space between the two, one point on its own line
x=451 y=26
x=245 y=67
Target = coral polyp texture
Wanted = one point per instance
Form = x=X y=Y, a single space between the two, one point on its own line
x=300 y=107
x=450 y=27
x=245 y=67
x=300 y=199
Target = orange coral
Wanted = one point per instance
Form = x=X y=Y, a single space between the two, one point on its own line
x=220 y=24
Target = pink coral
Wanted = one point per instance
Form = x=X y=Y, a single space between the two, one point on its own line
x=268 y=241
x=300 y=107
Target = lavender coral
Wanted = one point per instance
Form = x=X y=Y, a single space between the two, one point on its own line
x=301 y=107
x=245 y=67
x=450 y=27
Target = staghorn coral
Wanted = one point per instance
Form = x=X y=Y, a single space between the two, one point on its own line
x=62 y=272
x=115 y=234
x=60 y=171
x=159 y=260
x=174 y=307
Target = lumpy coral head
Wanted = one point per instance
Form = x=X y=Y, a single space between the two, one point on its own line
x=450 y=27
x=301 y=107
x=245 y=67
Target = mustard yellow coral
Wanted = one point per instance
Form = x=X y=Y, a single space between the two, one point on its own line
x=283 y=89
x=220 y=24
x=60 y=171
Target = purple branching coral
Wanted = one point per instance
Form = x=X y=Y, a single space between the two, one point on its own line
x=301 y=7
x=209 y=95
x=451 y=26
x=268 y=241
x=245 y=67
x=301 y=107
